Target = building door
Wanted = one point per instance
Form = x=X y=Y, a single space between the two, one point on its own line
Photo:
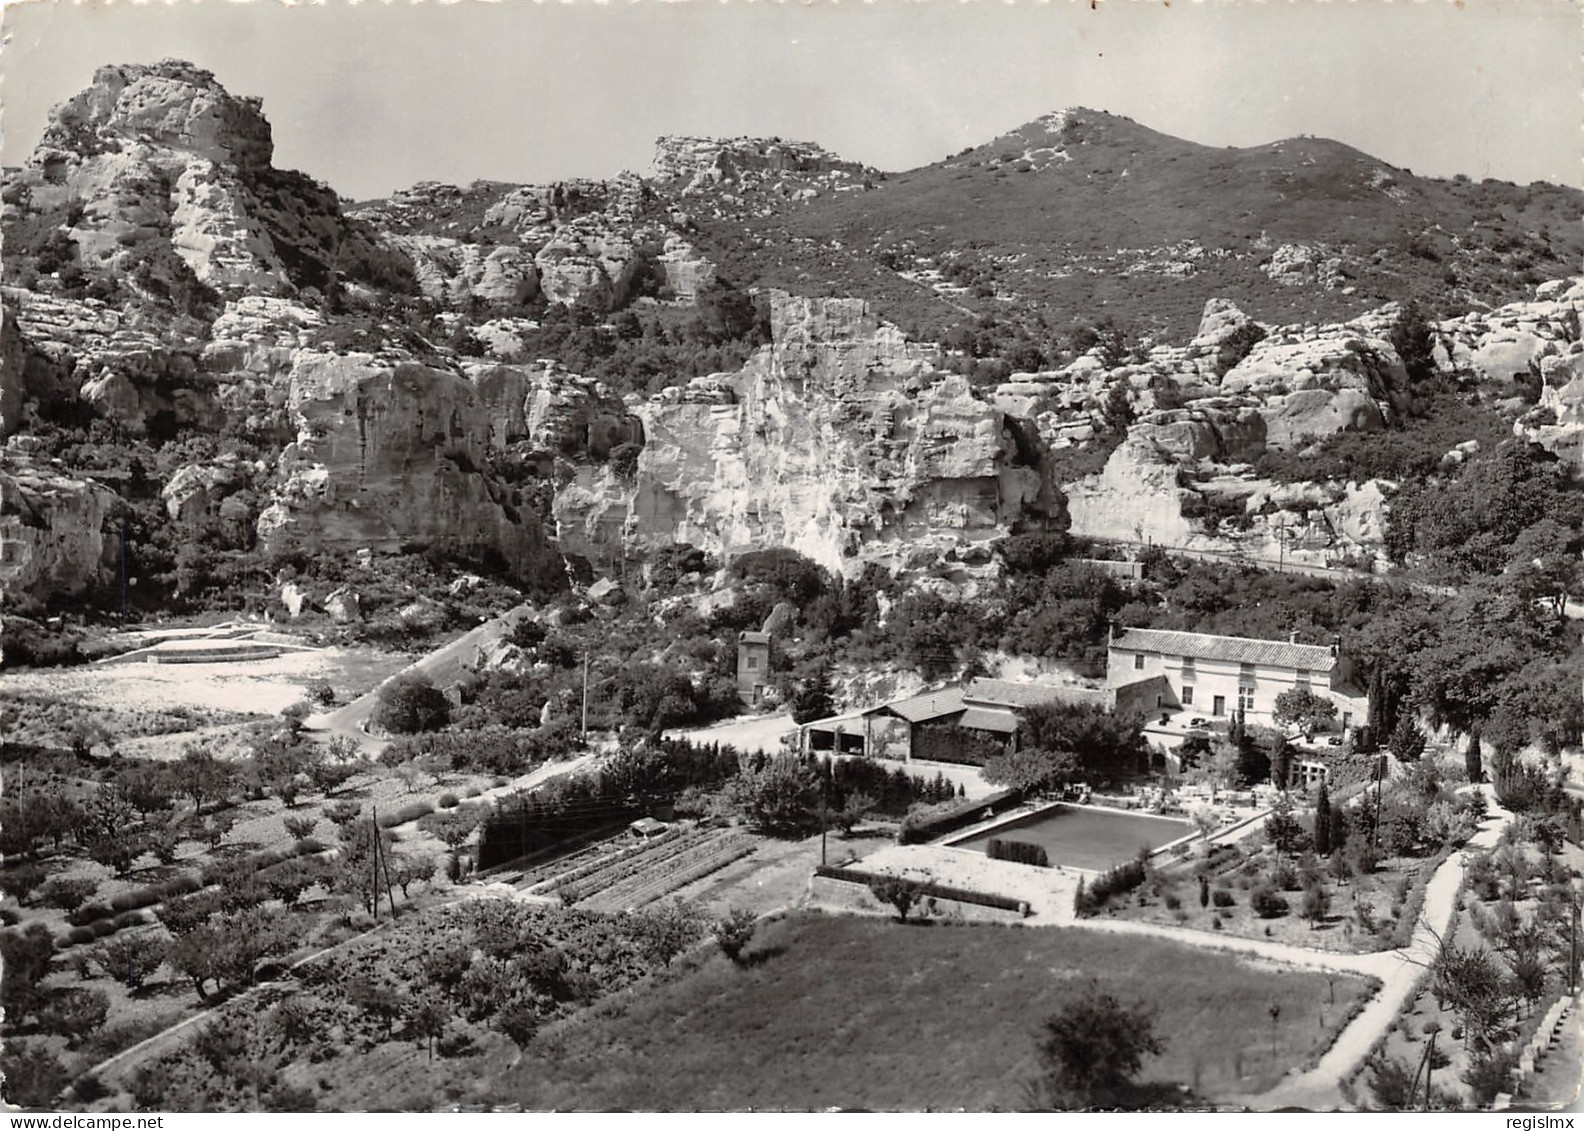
x=1219 y=707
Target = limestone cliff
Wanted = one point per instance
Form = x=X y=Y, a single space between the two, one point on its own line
x=392 y=455
x=52 y=541
x=841 y=439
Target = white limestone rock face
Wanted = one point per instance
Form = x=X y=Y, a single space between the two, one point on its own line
x=170 y=180
x=586 y=255
x=1219 y=431
x=553 y=410
x=1137 y=498
x=123 y=368
x=841 y=440
x=387 y=455
x=686 y=271
x=52 y=539
x=454 y=272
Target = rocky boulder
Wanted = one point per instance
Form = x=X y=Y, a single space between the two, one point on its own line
x=1221 y=319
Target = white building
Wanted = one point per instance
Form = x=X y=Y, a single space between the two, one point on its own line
x=1217 y=676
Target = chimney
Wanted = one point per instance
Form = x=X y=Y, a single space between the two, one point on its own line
x=1292 y=637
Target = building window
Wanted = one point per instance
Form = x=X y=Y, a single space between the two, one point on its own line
x=1245 y=698
x=1138 y=662
x=1347 y=719
x=753 y=662
x=1187 y=667
x=1187 y=697
x=1246 y=675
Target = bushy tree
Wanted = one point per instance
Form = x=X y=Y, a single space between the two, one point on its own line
x=1091 y=1051
x=1301 y=706
x=24 y=962
x=734 y=932
x=899 y=892
x=73 y=1013
x=1413 y=337
x=779 y=796
x=411 y=704
x=131 y=957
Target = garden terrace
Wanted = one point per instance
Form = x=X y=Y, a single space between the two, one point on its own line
x=701 y=858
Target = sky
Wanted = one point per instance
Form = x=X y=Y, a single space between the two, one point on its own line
x=374 y=97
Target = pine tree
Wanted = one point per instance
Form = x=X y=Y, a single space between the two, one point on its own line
x=1204 y=891
x=1322 y=821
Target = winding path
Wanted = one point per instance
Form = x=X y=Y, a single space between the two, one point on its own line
x=1400 y=971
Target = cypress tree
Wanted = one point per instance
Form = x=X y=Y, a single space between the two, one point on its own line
x=1322 y=822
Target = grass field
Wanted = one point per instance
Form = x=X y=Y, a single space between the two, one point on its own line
x=868 y=1013
x=1087 y=838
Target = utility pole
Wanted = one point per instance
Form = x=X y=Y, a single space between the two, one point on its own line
x=374 y=866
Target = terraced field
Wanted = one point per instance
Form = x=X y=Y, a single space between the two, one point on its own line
x=601 y=878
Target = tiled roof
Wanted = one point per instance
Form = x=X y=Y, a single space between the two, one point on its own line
x=929 y=705
x=754 y=637
x=1005 y=692
x=1236 y=649
x=989 y=718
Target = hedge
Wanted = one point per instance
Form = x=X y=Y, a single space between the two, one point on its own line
x=1018 y=852
x=407 y=813
x=936 y=820
x=925 y=887
x=1123 y=878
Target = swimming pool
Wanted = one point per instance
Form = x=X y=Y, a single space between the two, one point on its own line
x=1083 y=837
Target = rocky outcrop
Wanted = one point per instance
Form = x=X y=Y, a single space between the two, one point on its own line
x=701 y=160
x=1137 y=498
x=1221 y=319
x=552 y=410
x=163 y=182
x=457 y=273
x=841 y=439
x=1209 y=430
x=392 y=455
x=52 y=541
x=587 y=255
x=86 y=350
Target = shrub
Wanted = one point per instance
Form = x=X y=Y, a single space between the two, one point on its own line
x=22 y=882
x=1018 y=852
x=300 y=827
x=1267 y=904
x=68 y=895
x=1222 y=898
x=1123 y=878
x=734 y=932
x=1173 y=902
x=130 y=959
x=448 y=801
x=936 y=820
